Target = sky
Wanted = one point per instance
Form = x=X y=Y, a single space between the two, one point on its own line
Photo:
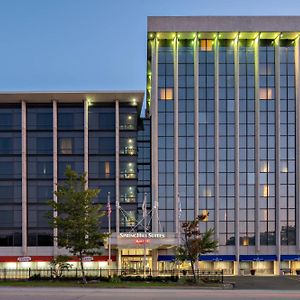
x=76 y=45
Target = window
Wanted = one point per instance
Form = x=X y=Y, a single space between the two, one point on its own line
x=266 y=191
x=129 y=219
x=107 y=145
x=66 y=120
x=44 y=121
x=206 y=45
x=66 y=146
x=5 y=145
x=128 y=146
x=264 y=167
x=6 y=120
x=6 y=218
x=6 y=168
x=107 y=169
x=166 y=94
x=107 y=121
x=265 y=93
x=44 y=168
x=6 y=193
x=44 y=145
x=128 y=170
x=44 y=193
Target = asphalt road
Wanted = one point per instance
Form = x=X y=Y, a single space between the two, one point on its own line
x=12 y=293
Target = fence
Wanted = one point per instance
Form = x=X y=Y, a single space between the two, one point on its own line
x=18 y=274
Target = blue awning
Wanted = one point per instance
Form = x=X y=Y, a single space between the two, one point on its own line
x=170 y=258
x=258 y=257
x=292 y=257
x=217 y=257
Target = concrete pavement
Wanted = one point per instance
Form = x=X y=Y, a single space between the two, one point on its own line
x=13 y=293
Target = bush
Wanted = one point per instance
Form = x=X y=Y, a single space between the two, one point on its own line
x=35 y=277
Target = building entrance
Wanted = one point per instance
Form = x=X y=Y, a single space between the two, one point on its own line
x=132 y=261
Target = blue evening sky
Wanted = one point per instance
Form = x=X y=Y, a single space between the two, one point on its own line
x=66 y=45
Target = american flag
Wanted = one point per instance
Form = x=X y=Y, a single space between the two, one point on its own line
x=108 y=206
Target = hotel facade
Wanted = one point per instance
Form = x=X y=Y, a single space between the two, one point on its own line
x=220 y=137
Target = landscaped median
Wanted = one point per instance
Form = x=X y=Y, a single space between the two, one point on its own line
x=118 y=282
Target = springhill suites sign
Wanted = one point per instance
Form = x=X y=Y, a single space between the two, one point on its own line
x=147 y=235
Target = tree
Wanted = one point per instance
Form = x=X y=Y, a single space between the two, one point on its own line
x=194 y=243
x=78 y=218
x=59 y=264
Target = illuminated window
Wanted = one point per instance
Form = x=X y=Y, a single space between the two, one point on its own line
x=284 y=167
x=107 y=169
x=245 y=241
x=66 y=146
x=206 y=192
x=264 y=214
x=206 y=45
x=266 y=191
x=166 y=94
x=264 y=167
x=265 y=93
x=205 y=215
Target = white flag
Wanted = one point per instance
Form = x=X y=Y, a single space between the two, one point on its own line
x=179 y=207
x=144 y=206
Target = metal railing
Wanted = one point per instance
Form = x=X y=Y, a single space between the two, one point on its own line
x=26 y=274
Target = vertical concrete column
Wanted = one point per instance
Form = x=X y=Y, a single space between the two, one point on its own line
x=86 y=141
x=217 y=160
x=117 y=120
x=119 y=260
x=196 y=124
x=24 y=178
x=176 y=169
x=154 y=262
x=277 y=145
x=154 y=133
x=54 y=112
x=237 y=154
x=257 y=145
x=297 y=85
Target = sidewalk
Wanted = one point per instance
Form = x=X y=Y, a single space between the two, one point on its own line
x=265 y=282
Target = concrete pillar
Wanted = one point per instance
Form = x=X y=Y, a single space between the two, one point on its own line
x=277 y=178
x=257 y=145
x=297 y=87
x=117 y=132
x=55 y=177
x=119 y=260
x=86 y=141
x=154 y=134
x=237 y=154
x=176 y=169
x=154 y=262
x=196 y=124
x=216 y=48
x=24 y=179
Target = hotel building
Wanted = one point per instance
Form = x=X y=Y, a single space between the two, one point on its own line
x=224 y=95
x=221 y=137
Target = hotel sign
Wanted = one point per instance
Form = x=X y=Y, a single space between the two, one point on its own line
x=142 y=235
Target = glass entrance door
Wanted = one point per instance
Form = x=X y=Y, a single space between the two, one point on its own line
x=133 y=261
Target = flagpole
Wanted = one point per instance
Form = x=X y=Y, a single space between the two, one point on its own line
x=109 y=230
x=178 y=216
x=145 y=229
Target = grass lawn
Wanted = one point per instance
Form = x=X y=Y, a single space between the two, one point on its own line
x=125 y=284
